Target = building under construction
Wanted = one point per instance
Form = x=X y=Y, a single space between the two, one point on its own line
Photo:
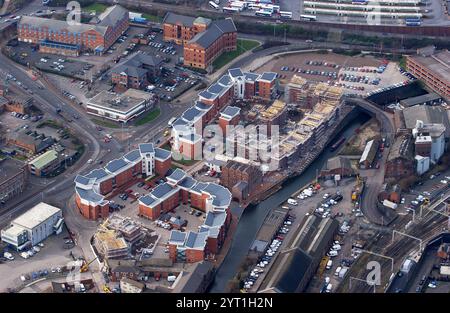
x=276 y=114
x=129 y=229
x=110 y=244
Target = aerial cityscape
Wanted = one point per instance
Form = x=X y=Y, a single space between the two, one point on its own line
x=241 y=147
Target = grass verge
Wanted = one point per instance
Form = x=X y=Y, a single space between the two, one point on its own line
x=148 y=117
x=243 y=45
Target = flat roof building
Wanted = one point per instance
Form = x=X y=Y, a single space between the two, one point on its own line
x=33 y=226
x=433 y=68
x=120 y=107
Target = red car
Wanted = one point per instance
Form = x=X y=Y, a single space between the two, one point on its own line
x=129 y=191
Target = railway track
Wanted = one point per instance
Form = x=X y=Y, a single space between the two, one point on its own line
x=429 y=226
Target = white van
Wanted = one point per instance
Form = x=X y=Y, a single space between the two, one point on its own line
x=292 y=201
x=171 y=278
x=329 y=264
x=332 y=253
x=336 y=272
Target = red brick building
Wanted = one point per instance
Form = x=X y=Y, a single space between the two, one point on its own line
x=91 y=188
x=55 y=36
x=229 y=117
x=433 y=68
x=180 y=29
x=204 y=40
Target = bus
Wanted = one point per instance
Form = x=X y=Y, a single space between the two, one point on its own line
x=359 y=1
x=286 y=14
x=254 y=6
x=230 y=10
x=263 y=13
x=306 y=17
x=213 y=5
x=413 y=22
x=238 y=5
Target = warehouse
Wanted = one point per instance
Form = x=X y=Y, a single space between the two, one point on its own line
x=369 y=153
x=34 y=226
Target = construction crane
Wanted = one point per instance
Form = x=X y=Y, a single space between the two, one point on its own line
x=85 y=267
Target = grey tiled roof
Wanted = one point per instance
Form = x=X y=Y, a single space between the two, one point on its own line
x=215 y=89
x=58 y=25
x=177 y=175
x=162 y=154
x=214 y=219
x=89 y=195
x=191 y=113
x=213 y=32
x=225 y=80
x=132 y=156
x=82 y=180
x=196 y=240
x=146 y=148
x=250 y=76
x=98 y=173
x=177 y=236
x=269 y=76
x=235 y=72
x=172 y=18
x=206 y=94
x=199 y=187
x=115 y=165
x=129 y=70
x=147 y=200
x=187 y=182
x=231 y=111
x=221 y=195
x=161 y=190
x=202 y=106
x=112 y=15
x=226 y=25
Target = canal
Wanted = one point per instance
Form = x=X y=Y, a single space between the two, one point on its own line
x=253 y=216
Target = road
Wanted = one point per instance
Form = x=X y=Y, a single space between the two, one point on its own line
x=375 y=179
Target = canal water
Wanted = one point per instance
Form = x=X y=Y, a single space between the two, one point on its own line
x=253 y=216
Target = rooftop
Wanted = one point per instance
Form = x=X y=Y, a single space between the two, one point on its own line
x=59 y=25
x=420 y=99
x=122 y=103
x=438 y=63
x=44 y=159
x=230 y=111
x=36 y=215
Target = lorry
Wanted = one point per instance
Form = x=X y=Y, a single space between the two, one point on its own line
x=390 y=204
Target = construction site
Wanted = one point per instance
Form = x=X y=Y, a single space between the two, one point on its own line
x=121 y=237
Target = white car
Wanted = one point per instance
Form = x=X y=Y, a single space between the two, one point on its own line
x=24 y=255
x=36 y=249
x=8 y=256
